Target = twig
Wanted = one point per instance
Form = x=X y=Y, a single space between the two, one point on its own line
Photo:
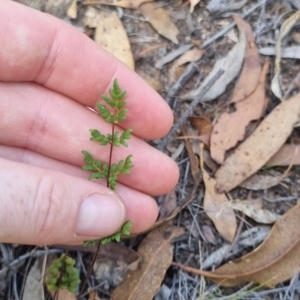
x=172 y=55
x=34 y=253
x=232 y=25
x=190 y=109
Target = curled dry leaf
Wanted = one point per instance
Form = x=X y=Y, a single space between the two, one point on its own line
x=160 y=20
x=231 y=64
x=287 y=154
x=132 y=4
x=250 y=74
x=276 y=260
x=286 y=27
x=260 y=146
x=253 y=210
x=231 y=127
x=111 y=35
x=156 y=257
x=224 y=220
x=190 y=56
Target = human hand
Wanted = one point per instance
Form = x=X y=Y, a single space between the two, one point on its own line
x=49 y=73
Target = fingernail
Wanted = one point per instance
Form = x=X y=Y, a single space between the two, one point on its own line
x=100 y=215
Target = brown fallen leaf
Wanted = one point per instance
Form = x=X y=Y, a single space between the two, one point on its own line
x=253 y=210
x=156 y=257
x=231 y=64
x=286 y=27
x=260 y=146
x=111 y=35
x=224 y=220
x=276 y=260
x=132 y=4
x=204 y=127
x=286 y=155
x=251 y=70
x=160 y=20
x=231 y=127
x=192 y=55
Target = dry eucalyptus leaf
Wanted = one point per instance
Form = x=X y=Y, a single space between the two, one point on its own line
x=231 y=64
x=224 y=220
x=33 y=289
x=287 y=154
x=192 y=55
x=156 y=257
x=132 y=4
x=260 y=146
x=286 y=27
x=253 y=210
x=276 y=260
x=288 y=52
x=111 y=35
x=231 y=127
x=251 y=70
x=160 y=21
x=65 y=295
x=193 y=3
x=93 y=295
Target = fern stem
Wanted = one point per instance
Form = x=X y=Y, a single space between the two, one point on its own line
x=110 y=154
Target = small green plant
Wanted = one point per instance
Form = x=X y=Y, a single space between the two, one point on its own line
x=61 y=274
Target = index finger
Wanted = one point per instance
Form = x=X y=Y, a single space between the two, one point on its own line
x=38 y=47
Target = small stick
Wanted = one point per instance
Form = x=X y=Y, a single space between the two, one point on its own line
x=190 y=109
x=172 y=55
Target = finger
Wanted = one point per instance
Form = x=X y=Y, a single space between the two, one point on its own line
x=52 y=207
x=55 y=126
x=44 y=49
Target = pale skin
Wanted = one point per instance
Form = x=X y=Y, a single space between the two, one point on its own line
x=49 y=73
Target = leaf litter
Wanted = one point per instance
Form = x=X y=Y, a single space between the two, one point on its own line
x=160 y=21
x=231 y=64
x=226 y=134
x=223 y=219
x=275 y=260
x=156 y=257
x=260 y=146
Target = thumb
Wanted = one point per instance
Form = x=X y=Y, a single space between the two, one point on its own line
x=41 y=206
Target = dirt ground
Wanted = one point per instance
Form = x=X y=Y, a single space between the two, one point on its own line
x=201 y=238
